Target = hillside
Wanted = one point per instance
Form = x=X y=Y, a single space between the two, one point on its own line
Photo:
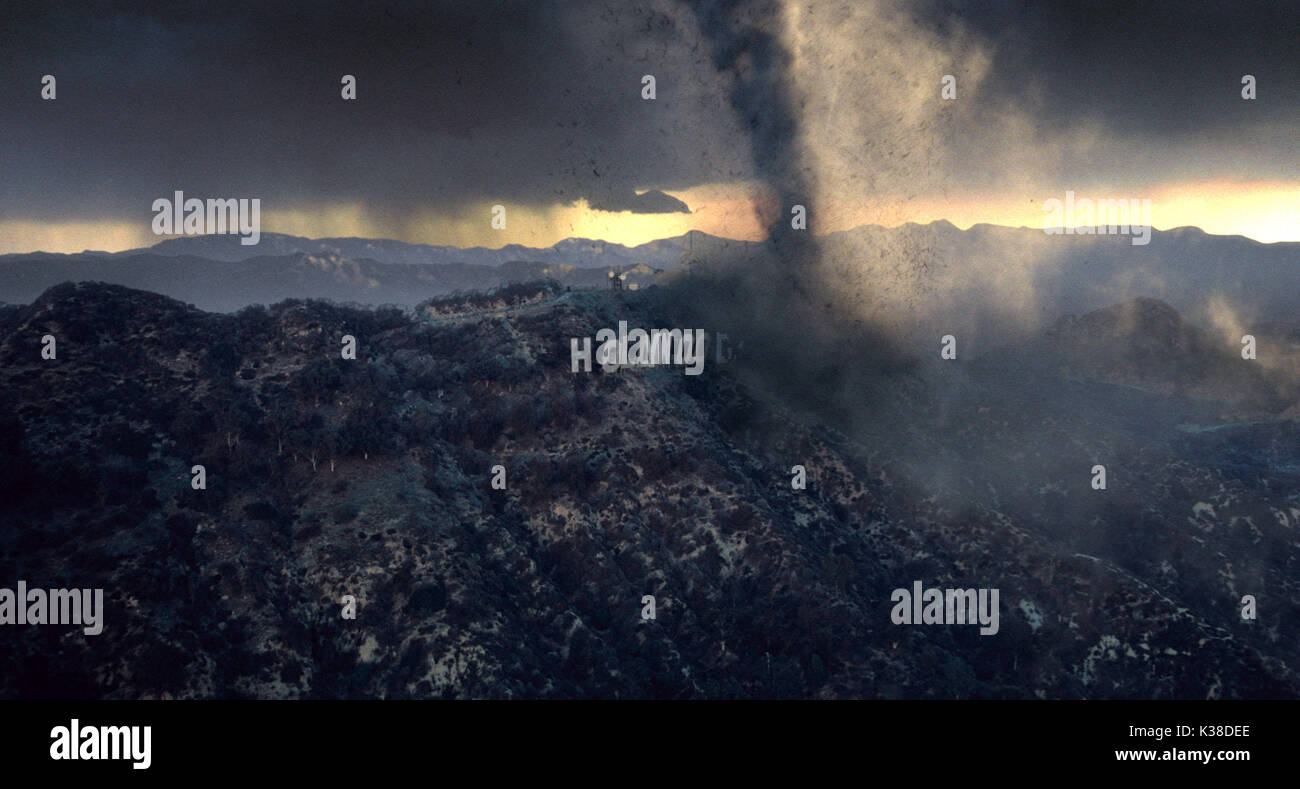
x=1145 y=343
x=228 y=286
x=328 y=477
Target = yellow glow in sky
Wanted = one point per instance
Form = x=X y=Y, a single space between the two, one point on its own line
x=18 y=236
x=1263 y=211
x=717 y=209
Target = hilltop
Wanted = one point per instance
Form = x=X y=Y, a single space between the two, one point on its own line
x=371 y=478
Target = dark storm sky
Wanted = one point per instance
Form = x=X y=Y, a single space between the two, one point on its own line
x=539 y=103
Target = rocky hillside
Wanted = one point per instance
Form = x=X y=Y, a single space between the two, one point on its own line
x=1146 y=343
x=230 y=285
x=372 y=478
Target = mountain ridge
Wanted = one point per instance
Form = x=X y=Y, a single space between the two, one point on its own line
x=371 y=478
x=336 y=244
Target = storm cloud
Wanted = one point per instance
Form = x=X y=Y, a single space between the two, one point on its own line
x=539 y=103
x=507 y=102
x=652 y=202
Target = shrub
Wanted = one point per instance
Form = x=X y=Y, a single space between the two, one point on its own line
x=262 y=511
x=346 y=512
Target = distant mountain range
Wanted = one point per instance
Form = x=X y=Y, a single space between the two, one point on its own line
x=992 y=283
x=227 y=286
x=576 y=252
x=985 y=281
x=217 y=273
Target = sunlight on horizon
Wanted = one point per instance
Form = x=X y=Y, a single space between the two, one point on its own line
x=1265 y=212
